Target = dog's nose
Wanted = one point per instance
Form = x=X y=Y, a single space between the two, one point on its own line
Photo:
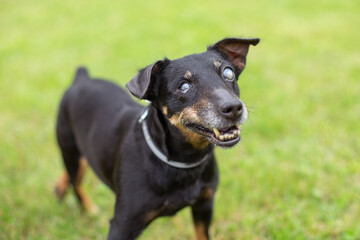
x=231 y=110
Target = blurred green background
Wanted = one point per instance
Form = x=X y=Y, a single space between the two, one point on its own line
x=296 y=173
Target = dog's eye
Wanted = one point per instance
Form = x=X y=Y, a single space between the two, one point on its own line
x=228 y=74
x=185 y=87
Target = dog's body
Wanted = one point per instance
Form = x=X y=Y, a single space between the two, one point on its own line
x=194 y=103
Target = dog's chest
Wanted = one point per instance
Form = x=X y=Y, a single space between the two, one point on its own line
x=180 y=199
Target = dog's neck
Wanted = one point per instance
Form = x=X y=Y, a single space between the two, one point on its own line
x=170 y=140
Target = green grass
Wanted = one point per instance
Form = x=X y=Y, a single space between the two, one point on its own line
x=295 y=175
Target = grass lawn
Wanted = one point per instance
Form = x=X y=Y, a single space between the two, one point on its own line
x=296 y=173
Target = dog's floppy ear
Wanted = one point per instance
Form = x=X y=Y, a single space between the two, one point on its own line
x=236 y=49
x=139 y=85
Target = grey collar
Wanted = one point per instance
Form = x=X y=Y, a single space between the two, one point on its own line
x=157 y=151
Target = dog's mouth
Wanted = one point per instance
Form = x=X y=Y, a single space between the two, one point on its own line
x=222 y=137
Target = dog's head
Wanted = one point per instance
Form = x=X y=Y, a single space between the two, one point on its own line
x=199 y=93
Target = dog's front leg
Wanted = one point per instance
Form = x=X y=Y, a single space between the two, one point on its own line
x=202 y=215
x=124 y=228
x=125 y=225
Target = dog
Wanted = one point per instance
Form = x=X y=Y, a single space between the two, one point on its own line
x=157 y=159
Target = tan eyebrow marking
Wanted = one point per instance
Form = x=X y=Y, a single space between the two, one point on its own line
x=217 y=63
x=188 y=74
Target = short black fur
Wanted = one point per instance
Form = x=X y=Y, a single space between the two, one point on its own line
x=99 y=121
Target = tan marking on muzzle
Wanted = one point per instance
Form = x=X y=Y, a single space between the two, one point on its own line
x=165 y=110
x=191 y=114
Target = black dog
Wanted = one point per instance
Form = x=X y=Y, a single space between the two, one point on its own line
x=157 y=159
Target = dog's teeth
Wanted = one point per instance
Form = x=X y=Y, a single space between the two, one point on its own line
x=227 y=136
x=238 y=126
x=217 y=133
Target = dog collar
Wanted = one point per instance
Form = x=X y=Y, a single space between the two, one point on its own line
x=160 y=155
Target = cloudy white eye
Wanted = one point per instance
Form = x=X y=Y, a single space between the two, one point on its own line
x=185 y=87
x=228 y=74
